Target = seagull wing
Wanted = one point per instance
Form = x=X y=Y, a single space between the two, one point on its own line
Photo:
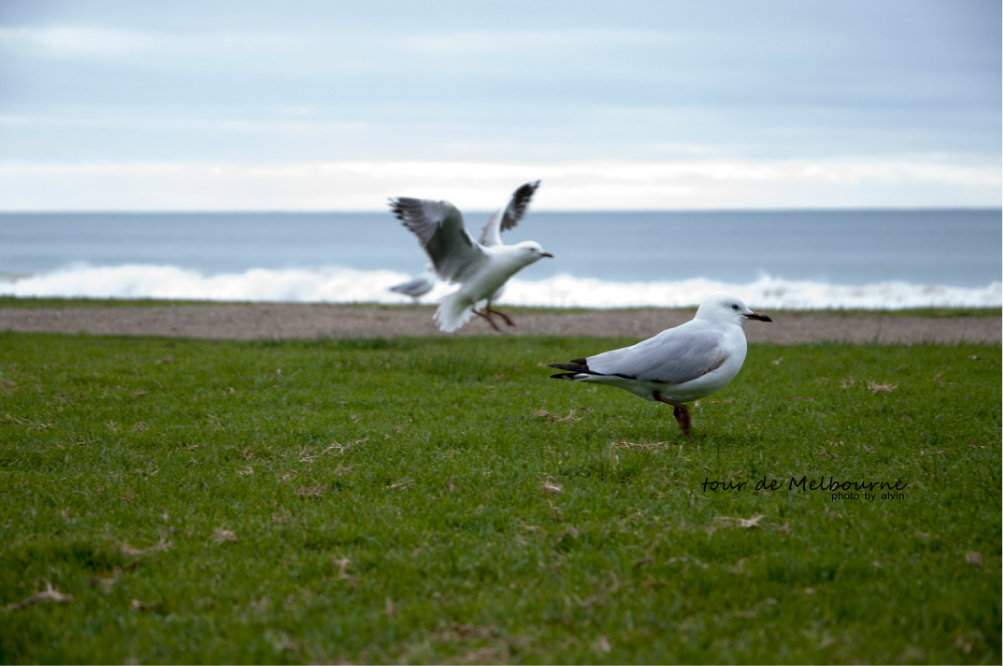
x=414 y=287
x=675 y=356
x=509 y=216
x=440 y=231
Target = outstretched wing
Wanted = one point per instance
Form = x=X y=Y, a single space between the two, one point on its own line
x=509 y=216
x=675 y=356
x=440 y=231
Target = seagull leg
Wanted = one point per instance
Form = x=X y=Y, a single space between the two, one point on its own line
x=500 y=314
x=487 y=315
x=679 y=411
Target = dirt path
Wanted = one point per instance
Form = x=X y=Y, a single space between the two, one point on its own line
x=282 y=321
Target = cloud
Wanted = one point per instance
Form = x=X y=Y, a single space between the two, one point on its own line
x=602 y=185
x=312 y=52
x=657 y=105
x=71 y=42
x=531 y=42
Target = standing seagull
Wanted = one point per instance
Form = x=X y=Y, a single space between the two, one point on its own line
x=480 y=268
x=679 y=364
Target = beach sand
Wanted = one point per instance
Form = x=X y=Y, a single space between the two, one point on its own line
x=308 y=321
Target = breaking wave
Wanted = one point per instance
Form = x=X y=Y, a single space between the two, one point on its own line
x=344 y=285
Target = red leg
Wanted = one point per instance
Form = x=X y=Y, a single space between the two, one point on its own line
x=679 y=411
x=487 y=316
x=500 y=314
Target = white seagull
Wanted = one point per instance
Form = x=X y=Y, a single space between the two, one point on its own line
x=417 y=287
x=679 y=364
x=481 y=268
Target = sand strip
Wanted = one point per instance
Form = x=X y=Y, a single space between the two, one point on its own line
x=295 y=320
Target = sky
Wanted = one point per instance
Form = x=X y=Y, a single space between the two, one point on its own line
x=295 y=105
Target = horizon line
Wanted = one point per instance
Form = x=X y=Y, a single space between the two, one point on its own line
x=321 y=211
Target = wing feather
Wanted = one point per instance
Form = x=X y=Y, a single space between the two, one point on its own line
x=442 y=234
x=675 y=356
x=509 y=216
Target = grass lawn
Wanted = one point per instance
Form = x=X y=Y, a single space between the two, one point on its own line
x=442 y=500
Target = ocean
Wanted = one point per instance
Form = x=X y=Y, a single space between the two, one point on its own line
x=773 y=259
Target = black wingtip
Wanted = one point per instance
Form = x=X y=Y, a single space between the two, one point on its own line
x=520 y=202
x=402 y=206
x=396 y=208
x=575 y=368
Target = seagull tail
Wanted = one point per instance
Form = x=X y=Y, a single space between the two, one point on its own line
x=454 y=311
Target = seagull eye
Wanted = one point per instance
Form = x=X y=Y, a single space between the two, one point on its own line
x=734 y=307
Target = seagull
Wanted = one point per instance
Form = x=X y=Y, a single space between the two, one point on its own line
x=679 y=364
x=480 y=267
x=418 y=286
x=504 y=219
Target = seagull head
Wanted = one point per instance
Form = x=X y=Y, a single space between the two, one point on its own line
x=531 y=251
x=727 y=308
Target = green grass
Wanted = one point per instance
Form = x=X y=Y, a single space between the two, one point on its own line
x=389 y=502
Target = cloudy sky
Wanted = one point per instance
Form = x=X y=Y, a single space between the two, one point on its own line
x=123 y=105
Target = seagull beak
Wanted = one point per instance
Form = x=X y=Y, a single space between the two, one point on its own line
x=758 y=316
x=546 y=254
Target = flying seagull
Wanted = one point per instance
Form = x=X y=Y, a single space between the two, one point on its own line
x=417 y=287
x=679 y=364
x=481 y=268
x=504 y=219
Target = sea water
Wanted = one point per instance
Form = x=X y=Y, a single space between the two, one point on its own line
x=796 y=259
